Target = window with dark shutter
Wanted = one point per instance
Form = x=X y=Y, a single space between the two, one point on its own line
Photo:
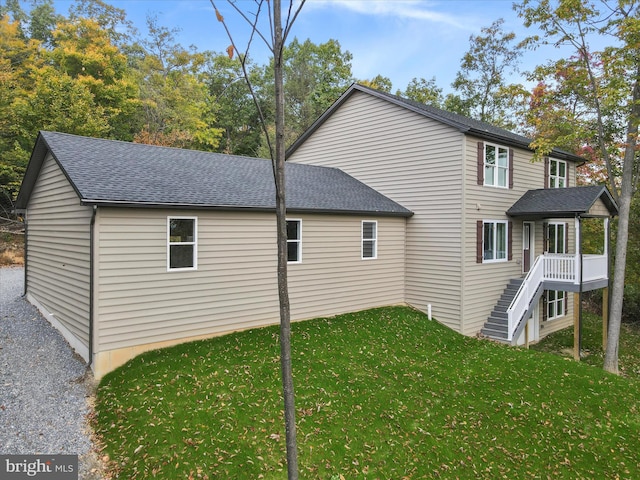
x=546 y=172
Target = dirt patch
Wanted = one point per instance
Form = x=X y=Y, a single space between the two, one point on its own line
x=11 y=247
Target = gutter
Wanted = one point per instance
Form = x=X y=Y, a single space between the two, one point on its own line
x=91 y=295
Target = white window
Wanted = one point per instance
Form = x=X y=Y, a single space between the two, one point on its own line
x=494 y=241
x=557 y=238
x=557 y=173
x=369 y=240
x=182 y=251
x=556 y=243
x=496 y=166
x=294 y=241
x=555 y=304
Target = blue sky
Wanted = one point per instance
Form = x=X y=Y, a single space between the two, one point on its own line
x=399 y=39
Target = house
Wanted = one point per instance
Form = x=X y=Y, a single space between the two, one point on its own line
x=132 y=247
x=494 y=244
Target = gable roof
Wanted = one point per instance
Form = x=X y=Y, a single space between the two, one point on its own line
x=116 y=173
x=562 y=202
x=464 y=124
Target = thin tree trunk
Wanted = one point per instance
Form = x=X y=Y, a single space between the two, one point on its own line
x=624 y=205
x=281 y=220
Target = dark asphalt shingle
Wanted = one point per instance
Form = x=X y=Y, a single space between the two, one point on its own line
x=561 y=202
x=114 y=172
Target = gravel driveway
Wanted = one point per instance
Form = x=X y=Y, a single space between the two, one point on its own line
x=44 y=386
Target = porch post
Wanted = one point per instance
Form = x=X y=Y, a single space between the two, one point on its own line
x=605 y=317
x=578 y=250
x=576 y=327
x=605 y=291
x=577 y=297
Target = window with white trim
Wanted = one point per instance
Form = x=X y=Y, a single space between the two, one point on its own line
x=495 y=241
x=557 y=173
x=369 y=240
x=496 y=165
x=294 y=241
x=182 y=248
x=557 y=238
x=556 y=243
x=555 y=304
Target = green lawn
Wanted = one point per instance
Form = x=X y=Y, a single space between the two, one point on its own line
x=592 y=353
x=381 y=394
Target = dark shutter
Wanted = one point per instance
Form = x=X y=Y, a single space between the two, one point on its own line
x=545 y=237
x=566 y=238
x=545 y=308
x=510 y=239
x=566 y=303
x=480 y=162
x=546 y=172
x=479 y=234
x=511 y=168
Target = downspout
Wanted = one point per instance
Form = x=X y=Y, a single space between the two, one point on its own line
x=26 y=256
x=91 y=262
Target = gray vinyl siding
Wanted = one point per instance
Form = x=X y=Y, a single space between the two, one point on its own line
x=484 y=282
x=235 y=285
x=418 y=163
x=58 y=253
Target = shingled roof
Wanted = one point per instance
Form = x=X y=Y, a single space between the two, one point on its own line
x=562 y=202
x=464 y=124
x=115 y=173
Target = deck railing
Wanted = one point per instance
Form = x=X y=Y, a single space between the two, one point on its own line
x=556 y=268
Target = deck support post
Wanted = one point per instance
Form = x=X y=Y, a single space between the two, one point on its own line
x=576 y=327
x=605 y=317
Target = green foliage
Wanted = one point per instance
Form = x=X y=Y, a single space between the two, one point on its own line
x=481 y=84
x=236 y=113
x=378 y=82
x=383 y=393
x=424 y=91
x=314 y=78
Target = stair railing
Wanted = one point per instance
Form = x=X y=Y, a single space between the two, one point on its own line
x=520 y=303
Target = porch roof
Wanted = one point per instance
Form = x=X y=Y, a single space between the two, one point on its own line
x=562 y=202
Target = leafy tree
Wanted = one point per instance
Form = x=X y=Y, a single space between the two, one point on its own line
x=481 y=82
x=379 y=83
x=111 y=19
x=314 y=77
x=83 y=51
x=42 y=22
x=18 y=58
x=424 y=91
x=592 y=99
x=235 y=111
x=177 y=107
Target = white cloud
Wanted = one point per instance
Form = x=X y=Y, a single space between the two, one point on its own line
x=405 y=9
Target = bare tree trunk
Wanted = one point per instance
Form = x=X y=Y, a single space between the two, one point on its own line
x=624 y=205
x=281 y=221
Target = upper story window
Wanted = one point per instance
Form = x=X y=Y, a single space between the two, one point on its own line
x=496 y=166
x=557 y=173
x=182 y=251
x=369 y=239
x=294 y=241
x=556 y=238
